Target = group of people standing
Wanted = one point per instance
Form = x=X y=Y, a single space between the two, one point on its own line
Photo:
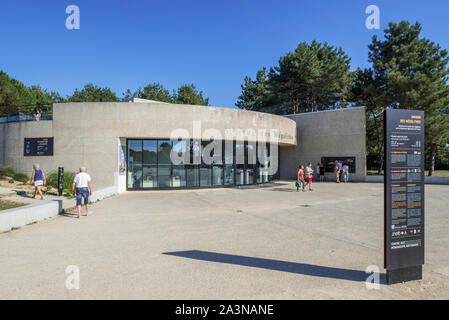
x=304 y=176
x=341 y=170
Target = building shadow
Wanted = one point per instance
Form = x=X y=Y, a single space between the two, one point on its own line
x=278 y=265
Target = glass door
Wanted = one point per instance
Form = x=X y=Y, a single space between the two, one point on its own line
x=134 y=164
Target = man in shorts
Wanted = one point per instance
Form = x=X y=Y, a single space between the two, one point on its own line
x=83 y=185
x=309 y=174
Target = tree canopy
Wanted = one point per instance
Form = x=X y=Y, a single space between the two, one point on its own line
x=314 y=77
x=92 y=93
x=185 y=94
x=408 y=72
x=14 y=93
x=188 y=94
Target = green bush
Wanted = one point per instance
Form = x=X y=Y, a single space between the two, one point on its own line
x=6 y=172
x=19 y=176
x=52 y=180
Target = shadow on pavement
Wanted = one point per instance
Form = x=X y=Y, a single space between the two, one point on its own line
x=22 y=193
x=69 y=214
x=283 y=189
x=278 y=265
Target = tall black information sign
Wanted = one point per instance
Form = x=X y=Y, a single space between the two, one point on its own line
x=404 y=195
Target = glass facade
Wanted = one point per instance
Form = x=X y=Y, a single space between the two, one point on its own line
x=150 y=164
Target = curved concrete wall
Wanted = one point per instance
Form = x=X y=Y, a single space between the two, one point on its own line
x=89 y=134
x=158 y=120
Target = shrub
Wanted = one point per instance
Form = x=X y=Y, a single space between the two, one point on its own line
x=19 y=176
x=6 y=172
x=52 y=180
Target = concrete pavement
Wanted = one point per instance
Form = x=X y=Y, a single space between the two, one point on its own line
x=267 y=243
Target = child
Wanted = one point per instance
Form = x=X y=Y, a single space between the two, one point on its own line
x=300 y=179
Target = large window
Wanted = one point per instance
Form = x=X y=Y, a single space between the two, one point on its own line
x=135 y=164
x=164 y=163
x=149 y=163
x=175 y=164
x=179 y=150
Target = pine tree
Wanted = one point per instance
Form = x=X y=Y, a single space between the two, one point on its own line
x=313 y=77
x=410 y=72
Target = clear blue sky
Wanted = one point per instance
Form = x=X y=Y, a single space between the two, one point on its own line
x=213 y=44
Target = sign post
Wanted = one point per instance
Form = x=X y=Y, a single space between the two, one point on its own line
x=404 y=195
x=60 y=180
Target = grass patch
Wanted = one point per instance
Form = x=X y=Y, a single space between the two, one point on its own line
x=5 y=204
x=436 y=173
x=11 y=173
x=6 y=172
x=19 y=176
x=439 y=173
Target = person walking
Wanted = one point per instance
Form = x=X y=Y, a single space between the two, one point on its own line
x=83 y=184
x=300 y=179
x=337 y=171
x=309 y=175
x=345 y=172
x=322 y=170
x=340 y=170
x=39 y=179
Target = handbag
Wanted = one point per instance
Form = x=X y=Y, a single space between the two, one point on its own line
x=298 y=184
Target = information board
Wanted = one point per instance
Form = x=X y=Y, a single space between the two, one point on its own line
x=38 y=146
x=404 y=189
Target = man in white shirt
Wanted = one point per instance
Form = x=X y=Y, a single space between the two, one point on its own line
x=83 y=185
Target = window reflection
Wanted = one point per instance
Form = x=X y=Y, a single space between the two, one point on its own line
x=134 y=164
x=150 y=164
x=192 y=175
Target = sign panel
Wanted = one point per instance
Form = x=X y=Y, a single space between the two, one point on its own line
x=121 y=160
x=404 y=188
x=38 y=146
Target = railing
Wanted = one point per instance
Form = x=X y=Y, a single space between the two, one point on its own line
x=26 y=113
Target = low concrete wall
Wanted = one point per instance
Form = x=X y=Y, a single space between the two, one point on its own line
x=19 y=217
x=103 y=193
x=428 y=180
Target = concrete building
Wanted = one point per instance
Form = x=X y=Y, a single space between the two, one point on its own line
x=128 y=145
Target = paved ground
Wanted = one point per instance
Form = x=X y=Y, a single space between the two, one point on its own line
x=268 y=243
